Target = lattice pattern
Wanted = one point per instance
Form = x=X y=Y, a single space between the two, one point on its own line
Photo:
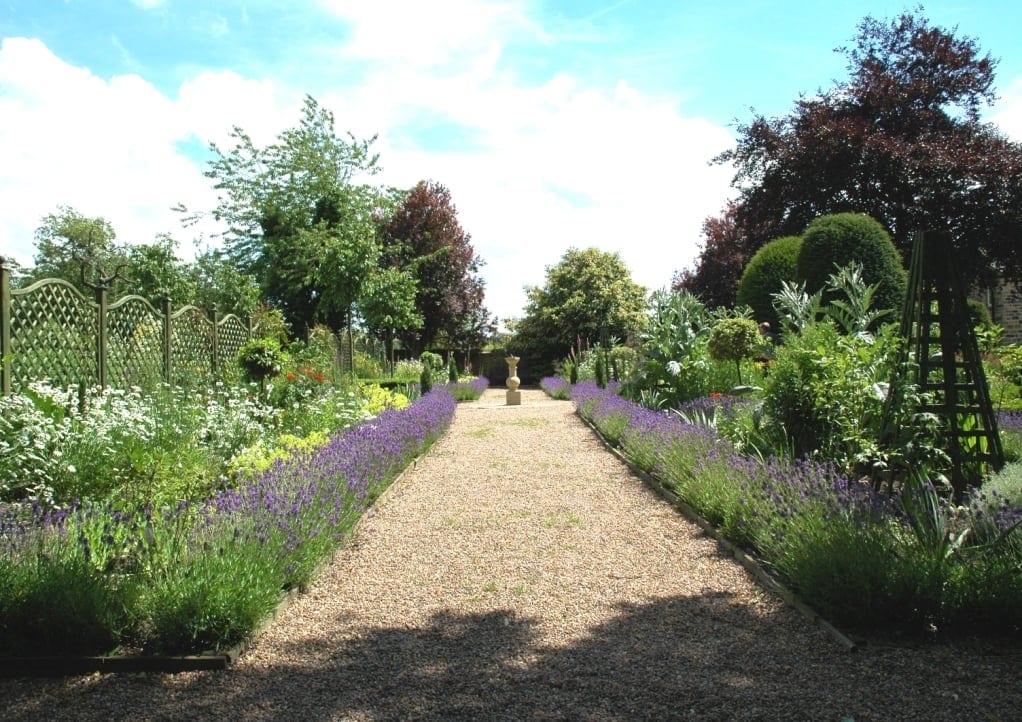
x=134 y=343
x=947 y=362
x=192 y=347
x=54 y=331
x=54 y=336
x=232 y=336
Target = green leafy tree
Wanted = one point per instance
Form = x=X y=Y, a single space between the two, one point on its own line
x=900 y=140
x=298 y=220
x=589 y=294
x=155 y=271
x=388 y=306
x=68 y=243
x=218 y=282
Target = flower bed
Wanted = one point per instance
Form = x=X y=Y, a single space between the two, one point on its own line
x=468 y=390
x=191 y=577
x=861 y=559
x=556 y=387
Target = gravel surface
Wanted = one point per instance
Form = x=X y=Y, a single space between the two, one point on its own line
x=520 y=571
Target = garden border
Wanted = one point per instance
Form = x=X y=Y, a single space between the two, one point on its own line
x=751 y=564
x=210 y=660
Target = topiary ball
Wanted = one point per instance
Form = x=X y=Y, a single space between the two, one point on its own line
x=832 y=242
x=770 y=266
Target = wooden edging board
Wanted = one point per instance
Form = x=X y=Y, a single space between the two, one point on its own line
x=751 y=564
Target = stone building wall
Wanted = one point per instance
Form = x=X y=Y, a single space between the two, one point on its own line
x=1005 y=304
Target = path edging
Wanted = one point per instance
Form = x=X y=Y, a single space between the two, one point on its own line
x=751 y=564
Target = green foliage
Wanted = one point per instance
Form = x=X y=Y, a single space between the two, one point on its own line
x=734 y=339
x=795 y=308
x=826 y=390
x=388 y=306
x=219 y=282
x=376 y=399
x=452 y=370
x=979 y=314
x=624 y=362
x=259 y=457
x=590 y=295
x=601 y=366
x=676 y=364
x=408 y=370
x=298 y=222
x=852 y=302
x=426 y=376
x=260 y=359
x=68 y=243
x=772 y=265
x=832 y=242
x=1009 y=365
x=1003 y=489
x=57 y=581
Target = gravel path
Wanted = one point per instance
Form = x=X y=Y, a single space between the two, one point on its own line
x=519 y=571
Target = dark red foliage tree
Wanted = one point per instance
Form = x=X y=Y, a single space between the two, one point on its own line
x=718 y=268
x=424 y=235
x=900 y=140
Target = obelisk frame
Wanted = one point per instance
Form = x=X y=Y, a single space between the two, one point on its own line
x=514 y=396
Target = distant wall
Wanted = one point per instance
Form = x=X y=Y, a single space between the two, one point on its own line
x=1004 y=301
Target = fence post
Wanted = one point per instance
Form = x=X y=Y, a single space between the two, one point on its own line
x=5 y=328
x=101 y=344
x=216 y=340
x=168 y=335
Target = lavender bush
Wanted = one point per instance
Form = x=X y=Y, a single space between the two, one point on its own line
x=196 y=575
x=859 y=558
x=467 y=390
x=556 y=387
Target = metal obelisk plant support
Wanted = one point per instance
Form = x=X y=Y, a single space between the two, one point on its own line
x=941 y=344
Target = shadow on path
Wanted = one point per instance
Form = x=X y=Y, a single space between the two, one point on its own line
x=489 y=666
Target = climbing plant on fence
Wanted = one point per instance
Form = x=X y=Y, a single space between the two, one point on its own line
x=49 y=330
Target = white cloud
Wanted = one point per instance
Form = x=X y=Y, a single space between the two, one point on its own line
x=68 y=137
x=552 y=166
x=425 y=34
x=109 y=147
x=539 y=167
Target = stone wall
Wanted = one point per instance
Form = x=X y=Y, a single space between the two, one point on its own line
x=1005 y=304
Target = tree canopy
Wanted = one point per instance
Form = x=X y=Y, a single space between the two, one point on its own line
x=590 y=295
x=423 y=235
x=718 y=268
x=900 y=140
x=297 y=218
x=68 y=242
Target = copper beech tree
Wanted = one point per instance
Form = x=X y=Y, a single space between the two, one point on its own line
x=424 y=236
x=901 y=140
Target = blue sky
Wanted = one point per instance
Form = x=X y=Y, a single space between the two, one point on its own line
x=553 y=123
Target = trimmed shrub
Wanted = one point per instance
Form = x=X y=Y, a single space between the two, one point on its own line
x=734 y=339
x=832 y=242
x=769 y=267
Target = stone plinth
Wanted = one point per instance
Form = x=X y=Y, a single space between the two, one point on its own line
x=513 y=395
